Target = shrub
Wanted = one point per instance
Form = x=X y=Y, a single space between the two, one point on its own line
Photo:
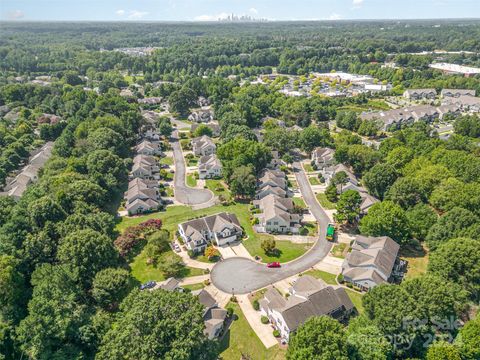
x=264 y=320
x=229 y=311
x=233 y=299
x=303 y=231
x=349 y=285
x=340 y=278
x=256 y=304
x=190 y=253
x=206 y=282
x=276 y=333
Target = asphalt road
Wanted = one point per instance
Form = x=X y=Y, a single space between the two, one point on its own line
x=241 y=275
x=184 y=193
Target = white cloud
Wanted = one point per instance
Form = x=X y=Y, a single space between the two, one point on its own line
x=16 y=15
x=137 y=15
x=253 y=10
x=211 y=17
x=120 y=12
x=334 y=16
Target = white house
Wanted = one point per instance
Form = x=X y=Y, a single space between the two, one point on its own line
x=323 y=157
x=209 y=167
x=371 y=262
x=221 y=229
x=203 y=146
x=308 y=297
x=149 y=148
x=277 y=216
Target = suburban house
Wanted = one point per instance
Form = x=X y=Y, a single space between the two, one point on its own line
x=467 y=103
x=215 y=128
x=367 y=202
x=277 y=216
x=221 y=228
x=424 y=113
x=145 y=167
x=268 y=190
x=203 y=146
x=209 y=167
x=323 y=157
x=308 y=297
x=456 y=93
x=29 y=174
x=420 y=94
x=276 y=161
x=372 y=261
x=275 y=178
x=452 y=109
x=142 y=197
x=149 y=148
x=213 y=315
x=201 y=116
x=329 y=172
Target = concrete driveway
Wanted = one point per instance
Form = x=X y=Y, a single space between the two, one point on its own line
x=240 y=276
x=184 y=194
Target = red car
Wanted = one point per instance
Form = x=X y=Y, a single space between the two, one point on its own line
x=274 y=264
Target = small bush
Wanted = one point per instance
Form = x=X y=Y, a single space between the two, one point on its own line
x=229 y=311
x=264 y=320
x=276 y=333
x=206 y=282
x=256 y=305
x=349 y=285
x=303 y=231
x=233 y=299
x=340 y=278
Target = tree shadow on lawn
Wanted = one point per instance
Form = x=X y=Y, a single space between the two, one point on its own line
x=275 y=253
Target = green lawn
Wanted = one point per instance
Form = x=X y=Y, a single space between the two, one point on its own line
x=325 y=276
x=308 y=168
x=299 y=202
x=191 y=180
x=417 y=261
x=242 y=340
x=217 y=187
x=167 y=160
x=356 y=300
x=326 y=204
x=174 y=215
x=144 y=272
x=192 y=162
x=194 y=287
x=169 y=191
x=314 y=180
x=338 y=250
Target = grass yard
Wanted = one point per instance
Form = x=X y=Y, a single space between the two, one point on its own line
x=192 y=162
x=312 y=228
x=308 y=167
x=325 y=276
x=314 y=180
x=177 y=214
x=339 y=250
x=167 y=160
x=191 y=180
x=298 y=201
x=242 y=340
x=324 y=202
x=144 y=272
x=169 y=191
x=218 y=188
x=417 y=260
x=356 y=300
x=194 y=287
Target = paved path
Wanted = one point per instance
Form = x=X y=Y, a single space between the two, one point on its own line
x=240 y=276
x=194 y=280
x=184 y=194
x=263 y=331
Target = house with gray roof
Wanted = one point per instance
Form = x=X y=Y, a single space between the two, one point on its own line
x=142 y=196
x=372 y=261
x=329 y=172
x=221 y=229
x=213 y=316
x=277 y=215
x=209 y=167
x=145 y=167
x=420 y=94
x=151 y=148
x=203 y=146
x=456 y=93
x=308 y=297
x=323 y=157
x=201 y=116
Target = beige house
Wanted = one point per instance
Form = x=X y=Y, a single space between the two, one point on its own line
x=209 y=167
x=203 y=146
x=277 y=215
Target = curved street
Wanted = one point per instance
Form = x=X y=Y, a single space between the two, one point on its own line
x=183 y=193
x=241 y=275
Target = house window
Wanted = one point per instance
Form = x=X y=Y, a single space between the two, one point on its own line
x=275 y=223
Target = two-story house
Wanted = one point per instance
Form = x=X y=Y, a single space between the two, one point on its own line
x=221 y=229
x=149 y=148
x=323 y=157
x=277 y=215
x=308 y=297
x=203 y=146
x=371 y=262
x=209 y=167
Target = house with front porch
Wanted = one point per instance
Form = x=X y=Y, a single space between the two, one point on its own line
x=220 y=229
x=209 y=167
x=203 y=146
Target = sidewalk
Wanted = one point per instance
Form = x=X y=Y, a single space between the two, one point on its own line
x=263 y=331
x=194 y=280
x=193 y=263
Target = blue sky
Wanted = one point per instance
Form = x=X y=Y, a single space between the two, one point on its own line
x=204 y=10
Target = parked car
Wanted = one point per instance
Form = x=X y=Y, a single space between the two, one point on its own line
x=274 y=264
x=148 y=285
